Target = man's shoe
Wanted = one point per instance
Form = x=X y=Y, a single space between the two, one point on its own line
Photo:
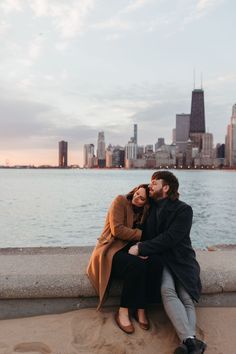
x=201 y=344
x=195 y=346
x=182 y=349
x=127 y=329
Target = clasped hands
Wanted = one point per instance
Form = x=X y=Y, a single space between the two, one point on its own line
x=134 y=251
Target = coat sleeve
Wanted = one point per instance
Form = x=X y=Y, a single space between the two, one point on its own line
x=177 y=230
x=117 y=219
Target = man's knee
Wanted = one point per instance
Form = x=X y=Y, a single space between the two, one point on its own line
x=186 y=299
x=168 y=292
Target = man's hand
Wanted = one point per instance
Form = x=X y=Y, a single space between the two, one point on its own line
x=134 y=250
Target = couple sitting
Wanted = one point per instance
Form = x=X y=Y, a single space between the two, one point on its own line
x=146 y=242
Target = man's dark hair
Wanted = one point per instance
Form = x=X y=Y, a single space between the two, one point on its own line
x=170 y=180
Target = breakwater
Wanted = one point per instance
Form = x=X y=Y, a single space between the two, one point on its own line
x=37 y=281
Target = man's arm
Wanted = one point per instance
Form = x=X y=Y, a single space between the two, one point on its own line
x=168 y=239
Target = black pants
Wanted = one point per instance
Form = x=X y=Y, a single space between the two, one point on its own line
x=142 y=279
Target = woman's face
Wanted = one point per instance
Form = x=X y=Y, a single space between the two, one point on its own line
x=139 y=197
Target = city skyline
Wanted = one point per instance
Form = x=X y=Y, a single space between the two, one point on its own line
x=72 y=69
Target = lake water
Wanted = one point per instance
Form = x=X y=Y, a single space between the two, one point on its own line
x=68 y=207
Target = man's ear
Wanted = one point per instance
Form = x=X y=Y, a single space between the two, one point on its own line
x=166 y=188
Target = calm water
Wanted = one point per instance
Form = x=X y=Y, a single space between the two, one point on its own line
x=68 y=207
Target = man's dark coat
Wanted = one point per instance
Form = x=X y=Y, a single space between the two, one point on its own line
x=167 y=233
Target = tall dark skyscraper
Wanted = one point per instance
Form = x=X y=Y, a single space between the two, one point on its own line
x=63 y=151
x=136 y=133
x=197 y=118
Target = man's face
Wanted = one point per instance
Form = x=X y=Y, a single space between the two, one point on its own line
x=156 y=189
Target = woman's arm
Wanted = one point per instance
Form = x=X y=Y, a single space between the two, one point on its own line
x=117 y=214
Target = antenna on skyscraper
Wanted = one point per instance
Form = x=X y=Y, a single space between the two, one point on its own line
x=194 y=78
x=201 y=82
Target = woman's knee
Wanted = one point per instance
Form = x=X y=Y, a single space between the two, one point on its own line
x=138 y=266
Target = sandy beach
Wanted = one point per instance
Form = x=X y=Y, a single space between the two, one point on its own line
x=88 y=331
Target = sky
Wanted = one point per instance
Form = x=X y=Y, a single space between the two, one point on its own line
x=69 y=69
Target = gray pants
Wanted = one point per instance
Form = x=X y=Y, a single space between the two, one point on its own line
x=178 y=305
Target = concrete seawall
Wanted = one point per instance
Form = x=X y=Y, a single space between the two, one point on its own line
x=52 y=280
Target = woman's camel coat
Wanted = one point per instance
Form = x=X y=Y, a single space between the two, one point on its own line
x=116 y=234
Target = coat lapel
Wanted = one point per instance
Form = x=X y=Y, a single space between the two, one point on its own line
x=164 y=212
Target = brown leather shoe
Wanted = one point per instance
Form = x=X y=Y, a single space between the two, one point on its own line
x=127 y=329
x=142 y=325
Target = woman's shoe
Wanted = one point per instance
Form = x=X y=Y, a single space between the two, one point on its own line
x=127 y=329
x=142 y=325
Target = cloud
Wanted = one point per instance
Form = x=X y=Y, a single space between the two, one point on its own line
x=113 y=37
x=8 y=6
x=134 y=5
x=205 y=5
x=200 y=9
x=33 y=125
x=113 y=23
x=68 y=19
x=4 y=27
x=35 y=48
x=39 y=7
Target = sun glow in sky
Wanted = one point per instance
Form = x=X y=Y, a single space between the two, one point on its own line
x=70 y=68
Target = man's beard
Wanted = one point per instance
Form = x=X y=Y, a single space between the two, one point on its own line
x=158 y=194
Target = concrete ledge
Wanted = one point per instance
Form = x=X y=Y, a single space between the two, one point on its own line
x=57 y=273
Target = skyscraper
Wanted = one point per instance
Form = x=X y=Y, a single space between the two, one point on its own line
x=207 y=145
x=182 y=131
x=101 y=152
x=159 y=143
x=136 y=133
x=231 y=140
x=197 y=118
x=63 y=152
x=88 y=155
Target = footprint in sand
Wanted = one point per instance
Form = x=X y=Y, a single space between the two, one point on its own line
x=4 y=348
x=31 y=347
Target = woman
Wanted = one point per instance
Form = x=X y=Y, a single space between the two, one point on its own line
x=110 y=258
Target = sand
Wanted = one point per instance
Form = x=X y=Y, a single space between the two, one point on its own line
x=88 y=331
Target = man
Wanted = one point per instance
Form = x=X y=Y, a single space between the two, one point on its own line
x=167 y=234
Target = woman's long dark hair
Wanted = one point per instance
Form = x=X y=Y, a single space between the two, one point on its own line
x=143 y=211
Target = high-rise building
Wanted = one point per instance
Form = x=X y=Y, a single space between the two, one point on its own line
x=88 y=155
x=197 y=118
x=220 y=151
x=174 y=136
x=101 y=152
x=109 y=153
x=207 y=145
x=131 y=151
x=182 y=131
x=136 y=133
x=231 y=140
x=159 y=143
x=149 y=149
x=63 y=153
x=118 y=157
